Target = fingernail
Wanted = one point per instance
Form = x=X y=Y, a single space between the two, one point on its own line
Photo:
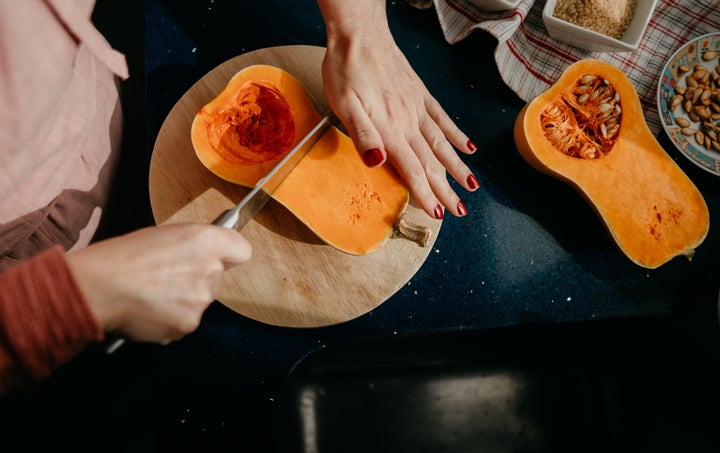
x=438 y=212
x=472 y=182
x=471 y=146
x=372 y=157
x=462 y=209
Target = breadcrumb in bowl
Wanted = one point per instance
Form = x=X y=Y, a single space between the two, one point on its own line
x=609 y=17
x=598 y=25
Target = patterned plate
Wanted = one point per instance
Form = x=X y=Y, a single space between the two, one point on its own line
x=691 y=54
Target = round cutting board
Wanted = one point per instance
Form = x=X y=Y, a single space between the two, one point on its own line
x=293 y=278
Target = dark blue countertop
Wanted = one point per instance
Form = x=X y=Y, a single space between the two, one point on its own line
x=531 y=250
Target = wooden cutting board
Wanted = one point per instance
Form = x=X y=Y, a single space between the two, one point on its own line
x=293 y=279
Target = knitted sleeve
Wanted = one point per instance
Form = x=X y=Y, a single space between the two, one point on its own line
x=45 y=320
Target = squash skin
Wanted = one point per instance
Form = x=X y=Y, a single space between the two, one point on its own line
x=346 y=204
x=648 y=205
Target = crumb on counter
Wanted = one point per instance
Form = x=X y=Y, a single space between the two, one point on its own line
x=609 y=17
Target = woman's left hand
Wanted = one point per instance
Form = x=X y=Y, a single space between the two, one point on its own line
x=388 y=111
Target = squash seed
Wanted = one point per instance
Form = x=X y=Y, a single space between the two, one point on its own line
x=709 y=55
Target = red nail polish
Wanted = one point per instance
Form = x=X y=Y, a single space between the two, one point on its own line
x=372 y=157
x=462 y=209
x=472 y=182
x=471 y=146
x=438 y=212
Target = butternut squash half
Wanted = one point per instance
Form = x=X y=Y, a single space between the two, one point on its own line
x=257 y=118
x=588 y=130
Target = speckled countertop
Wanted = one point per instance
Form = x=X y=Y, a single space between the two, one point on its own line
x=530 y=251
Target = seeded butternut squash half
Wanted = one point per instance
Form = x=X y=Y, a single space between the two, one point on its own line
x=257 y=118
x=588 y=130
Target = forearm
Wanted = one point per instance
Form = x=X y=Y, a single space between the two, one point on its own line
x=44 y=320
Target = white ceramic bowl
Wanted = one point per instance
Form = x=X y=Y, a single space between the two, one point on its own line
x=495 y=5
x=593 y=41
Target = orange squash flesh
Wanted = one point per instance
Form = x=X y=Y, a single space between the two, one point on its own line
x=353 y=206
x=257 y=118
x=252 y=123
x=649 y=206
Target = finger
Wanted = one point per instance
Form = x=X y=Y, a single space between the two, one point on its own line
x=435 y=173
x=364 y=135
x=448 y=127
x=456 y=167
x=408 y=164
x=230 y=246
x=448 y=157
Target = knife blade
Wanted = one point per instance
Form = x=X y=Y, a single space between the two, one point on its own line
x=237 y=217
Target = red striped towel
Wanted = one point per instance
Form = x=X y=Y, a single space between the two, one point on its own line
x=529 y=61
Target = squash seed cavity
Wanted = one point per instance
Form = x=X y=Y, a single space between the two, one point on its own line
x=258 y=126
x=585 y=122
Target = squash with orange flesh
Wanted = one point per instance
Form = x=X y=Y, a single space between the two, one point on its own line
x=588 y=130
x=257 y=118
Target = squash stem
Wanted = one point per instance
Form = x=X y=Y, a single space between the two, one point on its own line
x=407 y=230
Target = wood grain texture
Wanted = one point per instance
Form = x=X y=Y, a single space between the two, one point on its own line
x=293 y=278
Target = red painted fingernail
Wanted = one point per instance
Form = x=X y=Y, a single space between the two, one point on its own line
x=462 y=209
x=472 y=182
x=471 y=146
x=372 y=157
x=438 y=212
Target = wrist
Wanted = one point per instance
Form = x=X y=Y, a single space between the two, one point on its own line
x=347 y=22
x=89 y=279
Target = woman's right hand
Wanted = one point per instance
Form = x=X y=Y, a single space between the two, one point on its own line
x=154 y=284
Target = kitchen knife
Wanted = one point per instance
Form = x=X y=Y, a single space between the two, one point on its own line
x=241 y=214
x=237 y=217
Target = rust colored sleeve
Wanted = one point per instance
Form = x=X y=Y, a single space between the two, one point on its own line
x=45 y=320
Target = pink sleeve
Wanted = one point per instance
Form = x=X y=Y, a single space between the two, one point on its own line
x=45 y=320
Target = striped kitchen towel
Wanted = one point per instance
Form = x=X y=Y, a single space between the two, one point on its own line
x=529 y=61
